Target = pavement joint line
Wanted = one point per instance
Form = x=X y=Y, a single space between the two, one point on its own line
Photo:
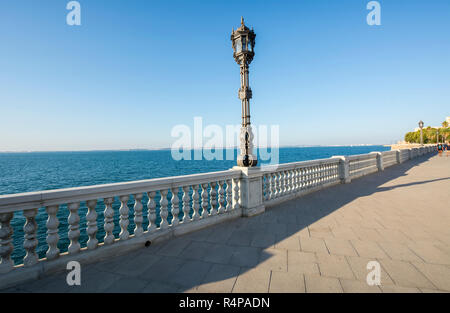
x=348 y=263
x=414 y=252
x=426 y=277
x=304 y=282
x=270 y=281
x=385 y=270
x=379 y=246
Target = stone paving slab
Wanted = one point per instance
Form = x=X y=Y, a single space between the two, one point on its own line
x=321 y=242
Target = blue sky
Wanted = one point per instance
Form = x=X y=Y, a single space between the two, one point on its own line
x=135 y=69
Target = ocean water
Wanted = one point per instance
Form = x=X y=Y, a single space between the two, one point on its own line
x=36 y=171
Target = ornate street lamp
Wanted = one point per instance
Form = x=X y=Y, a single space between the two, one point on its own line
x=243 y=40
x=421 y=135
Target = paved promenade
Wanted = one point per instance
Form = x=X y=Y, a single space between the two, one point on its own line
x=321 y=242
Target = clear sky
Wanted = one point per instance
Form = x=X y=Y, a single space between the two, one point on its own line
x=135 y=69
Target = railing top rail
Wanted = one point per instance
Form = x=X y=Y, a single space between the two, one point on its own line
x=287 y=166
x=358 y=157
x=28 y=200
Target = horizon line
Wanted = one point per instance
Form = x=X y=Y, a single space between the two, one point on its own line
x=192 y=149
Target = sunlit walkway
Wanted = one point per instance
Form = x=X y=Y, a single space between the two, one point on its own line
x=321 y=242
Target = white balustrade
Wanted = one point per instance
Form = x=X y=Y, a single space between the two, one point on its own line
x=220 y=192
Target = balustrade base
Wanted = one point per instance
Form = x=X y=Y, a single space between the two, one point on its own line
x=253 y=211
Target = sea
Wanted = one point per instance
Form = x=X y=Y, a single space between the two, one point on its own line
x=37 y=171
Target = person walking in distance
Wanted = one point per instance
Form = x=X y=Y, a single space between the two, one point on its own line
x=440 y=147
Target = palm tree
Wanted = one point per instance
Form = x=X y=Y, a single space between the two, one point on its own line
x=445 y=124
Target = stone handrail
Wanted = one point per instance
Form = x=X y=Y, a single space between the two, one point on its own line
x=194 y=202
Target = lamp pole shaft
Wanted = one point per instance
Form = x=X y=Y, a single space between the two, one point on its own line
x=246 y=157
x=245 y=96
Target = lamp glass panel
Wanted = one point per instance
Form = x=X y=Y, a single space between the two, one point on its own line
x=238 y=46
x=244 y=43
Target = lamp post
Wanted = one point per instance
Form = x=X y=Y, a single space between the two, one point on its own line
x=421 y=134
x=243 y=41
x=437 y=136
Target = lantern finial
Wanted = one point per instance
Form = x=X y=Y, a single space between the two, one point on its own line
x=242 y=20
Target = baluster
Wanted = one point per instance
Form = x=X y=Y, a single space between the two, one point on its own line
x=319 y=174
x=205 y=200
x=265 y=183
x=91 y=218
x=289 y=182
x=175 y=210
x=195 y=203
x=272 y=186
x=297 y=179
x=236 y=193
x=282 y=182
x=186 y=204
x=6 y=246
x=229 y=193
x=163 y=203
x=213 y=198
x=138 y=218
x=308 y=177
x=30 y=241
x=286 y=182
x=277 y=184
x=124 y=216
x=294 y=181
x=74 y=228
x=109 y=221
x=316 y=175
x=300 y=179
x=221 y=196
x=52 y=232
x=151 y=211
x=304 y=179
